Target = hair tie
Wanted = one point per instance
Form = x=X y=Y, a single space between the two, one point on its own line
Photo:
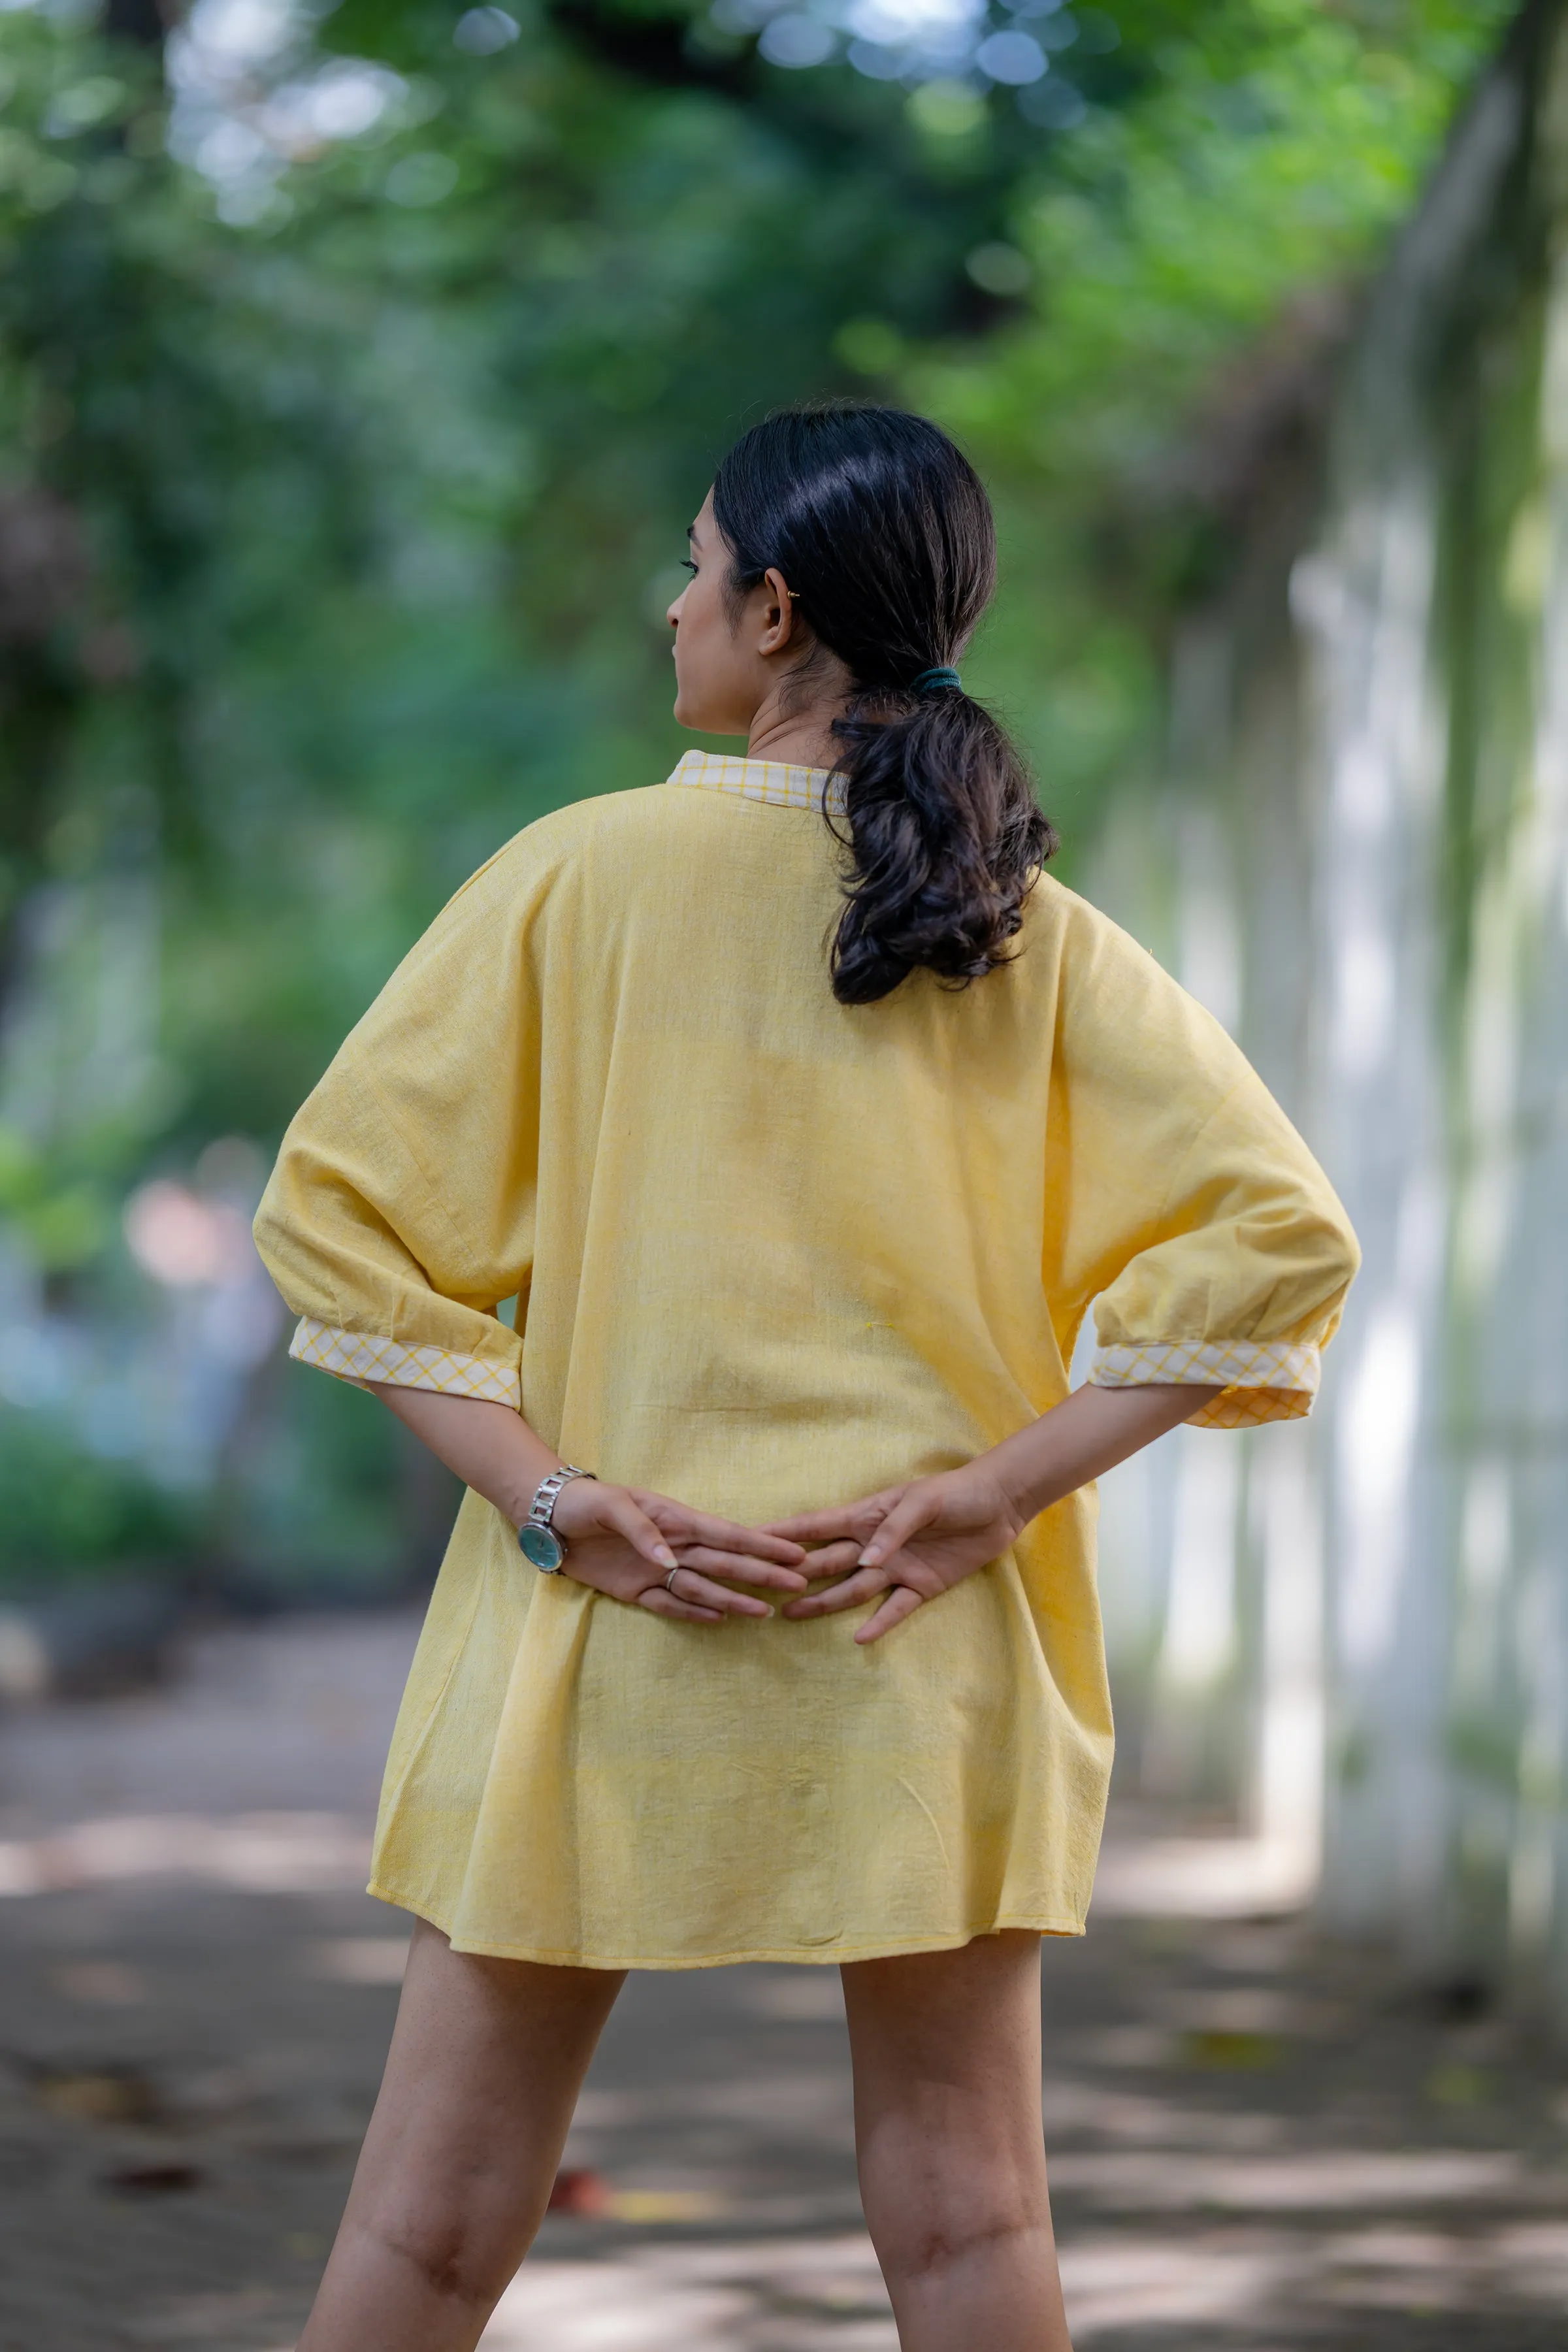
x=932 y=681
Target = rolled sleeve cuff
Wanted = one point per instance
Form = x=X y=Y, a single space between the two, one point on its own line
x=1262 y=1379
x=361 y=1358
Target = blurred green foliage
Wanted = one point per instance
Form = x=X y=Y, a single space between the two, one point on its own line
x=340 y=504
x=70 y=1514
x=60 y=1219
x=345 y=534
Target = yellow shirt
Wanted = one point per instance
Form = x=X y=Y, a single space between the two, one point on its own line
x=772 y=1252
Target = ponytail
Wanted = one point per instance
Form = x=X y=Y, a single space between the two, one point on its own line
x=885 y=533
x=945 y=840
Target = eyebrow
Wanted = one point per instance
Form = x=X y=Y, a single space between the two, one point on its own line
x=691 y=534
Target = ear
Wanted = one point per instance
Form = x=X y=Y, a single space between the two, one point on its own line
x=780 y=627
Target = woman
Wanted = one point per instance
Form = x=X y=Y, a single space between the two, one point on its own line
x=805 y=1119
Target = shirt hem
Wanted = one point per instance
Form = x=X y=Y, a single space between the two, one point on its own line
x=824 y=1956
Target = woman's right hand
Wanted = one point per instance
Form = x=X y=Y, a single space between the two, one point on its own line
x=624 y=1541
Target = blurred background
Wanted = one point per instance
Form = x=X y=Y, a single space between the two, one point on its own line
x=360 y=369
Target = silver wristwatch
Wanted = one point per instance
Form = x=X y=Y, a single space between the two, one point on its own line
x=536 y=1539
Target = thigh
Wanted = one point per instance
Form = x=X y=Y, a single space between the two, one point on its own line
x=946 y=2054
x=487 y=2059
x=956 y=2031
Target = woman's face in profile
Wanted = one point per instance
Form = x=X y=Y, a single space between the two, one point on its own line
x=722 y=669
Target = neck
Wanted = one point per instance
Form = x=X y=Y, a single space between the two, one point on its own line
x=801 y=736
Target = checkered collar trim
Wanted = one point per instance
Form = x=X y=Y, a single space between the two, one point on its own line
x=773 y=780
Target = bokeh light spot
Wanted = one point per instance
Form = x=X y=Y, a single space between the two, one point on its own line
x=1014 y=58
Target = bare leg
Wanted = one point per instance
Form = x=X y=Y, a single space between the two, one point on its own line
x=946 y=2048
x=486 y=2064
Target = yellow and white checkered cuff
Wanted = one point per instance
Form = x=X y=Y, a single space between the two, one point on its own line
x=361 y=1356
x=1263 y=1379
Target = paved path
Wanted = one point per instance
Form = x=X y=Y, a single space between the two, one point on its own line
x=1255 y=2144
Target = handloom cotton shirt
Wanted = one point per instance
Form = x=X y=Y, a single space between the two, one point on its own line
x=771 y=1252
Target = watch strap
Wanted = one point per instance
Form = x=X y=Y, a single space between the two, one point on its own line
x=542 y=1512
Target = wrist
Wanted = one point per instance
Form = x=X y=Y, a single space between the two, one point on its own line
x=1026 y=1473
x=576 y=1507
x=525 y=1477
x=517 y=1500
x=540 y=1539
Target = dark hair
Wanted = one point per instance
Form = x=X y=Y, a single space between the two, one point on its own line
x=883 y=533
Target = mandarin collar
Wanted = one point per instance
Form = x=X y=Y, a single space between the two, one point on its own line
x=773 y=780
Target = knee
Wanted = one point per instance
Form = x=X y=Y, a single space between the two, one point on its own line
x=930 y=2244
x=447 y=2254
x=941 y=2219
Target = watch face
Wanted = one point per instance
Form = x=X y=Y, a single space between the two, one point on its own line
x=542 y=1547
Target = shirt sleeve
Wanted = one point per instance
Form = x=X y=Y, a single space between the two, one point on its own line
x=401 y=1210
x=1180 y=1198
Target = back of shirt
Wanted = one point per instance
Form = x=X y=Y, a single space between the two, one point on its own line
x=773 y=1251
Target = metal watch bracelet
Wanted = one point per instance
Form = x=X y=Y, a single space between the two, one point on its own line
x=536 y=1539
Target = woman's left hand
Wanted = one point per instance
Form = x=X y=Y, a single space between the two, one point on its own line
x=911 y=1542
x=627 y=1543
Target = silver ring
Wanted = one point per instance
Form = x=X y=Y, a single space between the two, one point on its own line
x=669 y=1580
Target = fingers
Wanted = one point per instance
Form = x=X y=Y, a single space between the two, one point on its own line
x=627 y=1518
x=681 y=1524
x=846 y=1522
x=661 y=1603
x=831 y=1560
x=824 y=1526
x=760 y=1558
x=901 y=1602
x=688 y=1594
x=689 y=1585
x=916 y=1508
x=756 y=1543
x=864 y=1585
x=741 y=1569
